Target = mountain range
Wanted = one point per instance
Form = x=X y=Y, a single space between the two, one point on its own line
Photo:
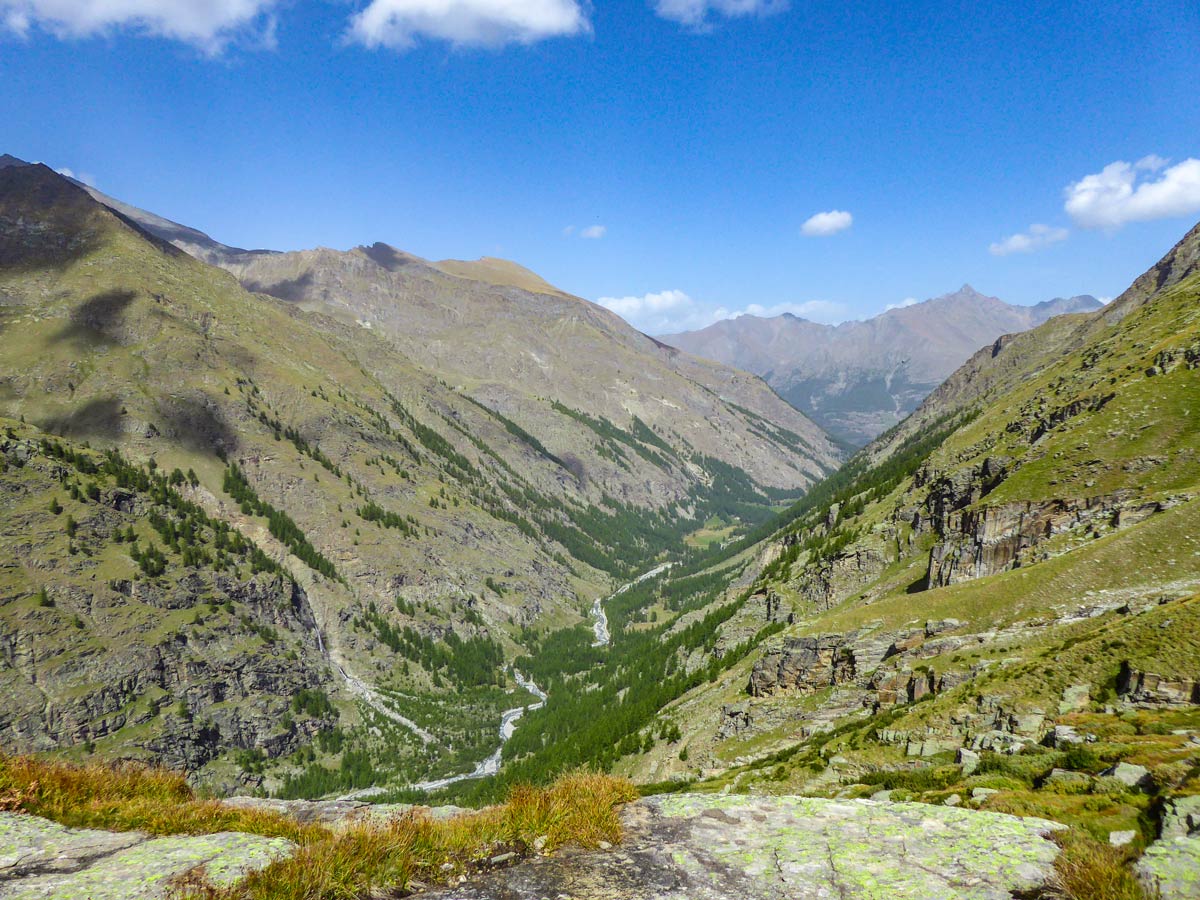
x=346 y=524
x=859 y=378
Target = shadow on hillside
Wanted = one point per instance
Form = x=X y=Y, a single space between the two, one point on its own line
x=99 y=318
x=197 y=424
x=45 y=220
x=293 y=290
x=388 y=257
x=100 y=418
x=919 y=586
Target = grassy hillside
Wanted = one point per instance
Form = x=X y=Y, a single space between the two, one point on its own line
x=1056 y=472
x=430 y=538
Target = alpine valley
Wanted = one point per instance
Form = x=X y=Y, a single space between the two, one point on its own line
x=355 y=524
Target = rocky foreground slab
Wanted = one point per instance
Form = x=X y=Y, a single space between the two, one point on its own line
x=682 y=847
x=42 y=860
x=771 y=848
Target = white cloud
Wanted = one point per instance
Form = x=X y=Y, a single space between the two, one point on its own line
x=903 y=304
x=672 y=311
x=483 y=23
x=594 y=232
x=1122 y=192
x=698 y=14
x=1036 y=238
x=207 y=24
x=87 y=179
x=823 y=224
x=633 y=306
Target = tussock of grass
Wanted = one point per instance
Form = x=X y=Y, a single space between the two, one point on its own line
x=329 y=864
x=126 y=798
x=1090 y=870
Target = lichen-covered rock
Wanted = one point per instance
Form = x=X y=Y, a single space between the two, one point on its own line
x=40 y=859
x=1172 y=868
x=1181 y=817
x=1128 y=774
x=703 y=847
x=341 y=813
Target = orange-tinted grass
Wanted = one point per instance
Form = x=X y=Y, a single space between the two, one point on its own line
x=1087 y=869
x=329 y=864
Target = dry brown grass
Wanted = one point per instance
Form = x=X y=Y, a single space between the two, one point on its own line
x=329 y=864
x=1090 y=870
x=126 y=798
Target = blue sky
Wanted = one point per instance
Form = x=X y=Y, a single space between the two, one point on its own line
x=663 y=154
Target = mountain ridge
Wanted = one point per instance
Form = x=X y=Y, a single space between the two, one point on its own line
x=859 y=377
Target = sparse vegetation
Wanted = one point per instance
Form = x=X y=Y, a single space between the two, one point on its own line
x=329 y=865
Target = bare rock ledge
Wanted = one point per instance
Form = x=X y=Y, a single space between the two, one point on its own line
x=699 y=847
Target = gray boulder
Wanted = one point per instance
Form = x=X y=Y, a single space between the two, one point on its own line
x=1170 y=868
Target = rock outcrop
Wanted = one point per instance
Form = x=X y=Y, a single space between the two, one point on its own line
x=831 y=580
x=41 y=859
x=977 y=542
x=1148 y=689
x=703 y=847
x=1170 y=868
x=811 y=663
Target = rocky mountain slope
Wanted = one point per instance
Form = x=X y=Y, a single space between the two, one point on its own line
x=859 y=378
x=310 y=552
x=1043 y=496
x=504 y=336
x=995 y=604
x=529 y=353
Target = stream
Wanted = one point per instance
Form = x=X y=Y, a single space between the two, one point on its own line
x=600 y=626
x=508 y=724
x=509 y=718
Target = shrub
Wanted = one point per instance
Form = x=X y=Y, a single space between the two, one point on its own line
x=1080 y=759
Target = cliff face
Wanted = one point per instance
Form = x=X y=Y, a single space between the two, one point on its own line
x=172 y=663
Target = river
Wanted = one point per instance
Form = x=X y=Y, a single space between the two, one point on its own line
x=508 y=724
x=600 y=625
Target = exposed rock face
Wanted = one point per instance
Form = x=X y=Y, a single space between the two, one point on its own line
x=979 y=542
x=804 y=664
x=202 y=691
x=788 y=848
x=735 y=718
x=41 y=859
x=1181 y=817
x=1148 y=689
x=977 y=539
x=809 y=664
x=831 y=580
x=990 y=726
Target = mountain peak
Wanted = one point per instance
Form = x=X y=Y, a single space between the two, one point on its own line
x=966 y=292
x=8 y=161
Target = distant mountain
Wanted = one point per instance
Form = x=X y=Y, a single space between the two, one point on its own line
x=859 y=378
